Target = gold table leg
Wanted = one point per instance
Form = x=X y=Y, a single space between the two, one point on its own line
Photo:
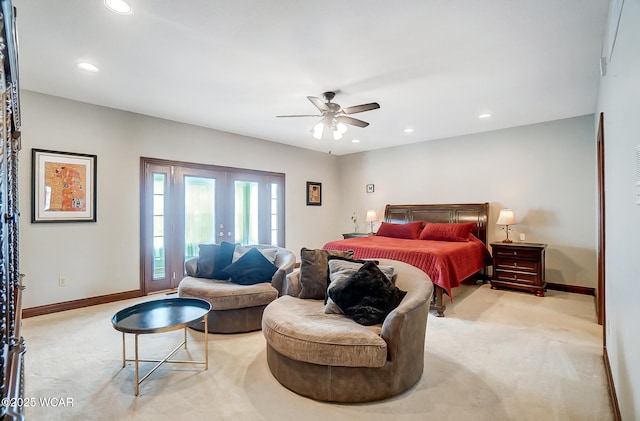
x=137 y=372
x=166 y=359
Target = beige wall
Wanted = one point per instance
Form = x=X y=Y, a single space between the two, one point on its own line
x=619 y=100
x=103 y=257
x=545 y=172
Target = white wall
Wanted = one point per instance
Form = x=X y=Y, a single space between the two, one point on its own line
x=103 y=258
x=545 y=172
x=619 y=99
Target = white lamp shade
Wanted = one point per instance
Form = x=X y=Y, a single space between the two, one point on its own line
x=371 y=216
x=506 y=217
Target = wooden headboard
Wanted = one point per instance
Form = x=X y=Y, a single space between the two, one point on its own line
x=448 y=213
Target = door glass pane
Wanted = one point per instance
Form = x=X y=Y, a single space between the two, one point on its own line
x=159 y=260
x=199 y=213
x=246 y=212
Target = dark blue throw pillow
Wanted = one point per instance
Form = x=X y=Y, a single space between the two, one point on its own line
x=223 y=259
x=251 y=268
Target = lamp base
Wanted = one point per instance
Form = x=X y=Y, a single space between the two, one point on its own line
x=507 y=241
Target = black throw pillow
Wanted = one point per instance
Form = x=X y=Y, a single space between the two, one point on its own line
x=346 y=259
x=251 y=268
x=223 y=259
x=206 y=260
x=367 y=296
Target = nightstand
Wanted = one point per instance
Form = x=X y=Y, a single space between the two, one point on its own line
x=357 y=234
x=519 y=265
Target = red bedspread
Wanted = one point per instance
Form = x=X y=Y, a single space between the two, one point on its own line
x=447 y=263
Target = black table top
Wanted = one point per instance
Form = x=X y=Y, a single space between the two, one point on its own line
x=160 y=315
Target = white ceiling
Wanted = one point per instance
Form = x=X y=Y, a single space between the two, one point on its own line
x=432 y=65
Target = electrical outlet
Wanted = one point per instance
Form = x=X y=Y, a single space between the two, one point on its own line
x=62 y=281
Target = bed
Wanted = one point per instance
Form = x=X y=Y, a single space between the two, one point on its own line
x=447 y=263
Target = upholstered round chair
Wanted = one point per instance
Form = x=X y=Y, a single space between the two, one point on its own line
x=330 y=357
x=236 y=308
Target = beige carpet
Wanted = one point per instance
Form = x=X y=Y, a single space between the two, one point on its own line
x=498 y=355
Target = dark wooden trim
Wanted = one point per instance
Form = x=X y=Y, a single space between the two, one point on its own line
x=572 y=288
x=142 y=225
x=169 y=162
x=84 y=302
x=612 y=389
x=600 y=297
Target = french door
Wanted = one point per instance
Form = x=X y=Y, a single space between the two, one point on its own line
x=184 y=205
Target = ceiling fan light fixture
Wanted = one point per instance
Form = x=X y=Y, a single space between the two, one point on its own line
x=342 y=128
x=337 y=135
x=317 y=130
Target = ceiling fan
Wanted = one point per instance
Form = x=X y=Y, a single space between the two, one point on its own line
x=334 y=116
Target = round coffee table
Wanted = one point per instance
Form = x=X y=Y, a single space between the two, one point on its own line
x=161 y=316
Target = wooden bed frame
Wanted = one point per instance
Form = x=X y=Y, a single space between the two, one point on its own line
x=477 y=213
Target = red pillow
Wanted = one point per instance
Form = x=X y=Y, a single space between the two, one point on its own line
x=447 y=232
x=409 y=230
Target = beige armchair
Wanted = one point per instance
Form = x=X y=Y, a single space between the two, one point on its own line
x=236 y=308
x=330 y=357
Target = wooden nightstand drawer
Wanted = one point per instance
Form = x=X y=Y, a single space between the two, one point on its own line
x=511 y=276
x=518 y=265
x=517 y=254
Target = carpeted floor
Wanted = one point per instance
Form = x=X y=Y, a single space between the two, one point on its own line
x=498 y=355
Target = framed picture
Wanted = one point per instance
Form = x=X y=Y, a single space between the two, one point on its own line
x=63 y=186
x=369 y=188
x=314 y=193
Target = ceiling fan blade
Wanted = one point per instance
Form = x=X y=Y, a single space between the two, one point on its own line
x=318 y=103
x=352 y=121
x=300 y=115
x=361 y=108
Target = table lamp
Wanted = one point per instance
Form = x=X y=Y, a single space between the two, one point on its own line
x=507 y=217
x=371 y=218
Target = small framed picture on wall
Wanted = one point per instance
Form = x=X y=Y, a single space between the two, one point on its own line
x=370 y=188
x=314 y=193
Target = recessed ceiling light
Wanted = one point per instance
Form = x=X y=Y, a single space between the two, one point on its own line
x=355 y=141
x=408 y=130
x=118 y=6
x=485 y=115
x=88 y=67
